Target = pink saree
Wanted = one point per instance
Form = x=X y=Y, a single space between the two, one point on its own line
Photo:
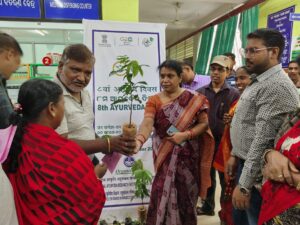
x=182 y=172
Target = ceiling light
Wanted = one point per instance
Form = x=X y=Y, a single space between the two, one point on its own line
x=39 y=32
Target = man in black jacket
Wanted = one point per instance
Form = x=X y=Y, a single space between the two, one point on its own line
x=10 y=58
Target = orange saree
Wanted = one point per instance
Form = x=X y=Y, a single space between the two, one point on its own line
x=182 y=172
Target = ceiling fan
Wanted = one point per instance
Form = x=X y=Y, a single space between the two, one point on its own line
x=178 y=23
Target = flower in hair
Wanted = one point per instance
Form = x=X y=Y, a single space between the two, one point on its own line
x=18 y=108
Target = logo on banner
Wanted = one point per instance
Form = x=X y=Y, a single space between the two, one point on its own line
x=104 y=41
x=129 y=161
x=126 y=41
x=147 y=41
x=104 y=38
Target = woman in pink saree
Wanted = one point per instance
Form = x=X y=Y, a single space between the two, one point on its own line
x=182 y=149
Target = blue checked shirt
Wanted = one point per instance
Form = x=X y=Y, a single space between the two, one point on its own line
x=259 y=114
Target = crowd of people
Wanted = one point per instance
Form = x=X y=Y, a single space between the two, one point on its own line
x=242 y=123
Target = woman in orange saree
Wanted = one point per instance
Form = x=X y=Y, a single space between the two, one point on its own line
x=182 y=149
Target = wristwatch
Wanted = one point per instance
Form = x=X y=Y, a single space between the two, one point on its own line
x=244 y=190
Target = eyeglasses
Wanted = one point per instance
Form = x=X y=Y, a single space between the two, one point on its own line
x=251 y=51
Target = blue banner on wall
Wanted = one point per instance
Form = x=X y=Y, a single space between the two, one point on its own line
x=281 y=22
x=20 y=9
x=71 y=9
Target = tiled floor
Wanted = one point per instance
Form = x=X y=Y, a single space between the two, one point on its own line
x=212 y=220
x=208 y=220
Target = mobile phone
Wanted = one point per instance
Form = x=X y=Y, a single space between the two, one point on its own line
x=172 y=130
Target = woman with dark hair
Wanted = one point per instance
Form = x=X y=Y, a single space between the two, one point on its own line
x=52 y=178
x=182 y=148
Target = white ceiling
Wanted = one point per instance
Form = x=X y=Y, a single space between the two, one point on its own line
x=182 y=16
x=191 y=14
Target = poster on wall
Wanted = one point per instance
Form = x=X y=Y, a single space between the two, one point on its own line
x=144 y=42
x=281 y=21
x=283 y=15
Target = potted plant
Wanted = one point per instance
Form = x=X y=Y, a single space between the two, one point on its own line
x=116 y=222
x=129 y=69
x=129 y=221
x=143 y=177
x=103 y=222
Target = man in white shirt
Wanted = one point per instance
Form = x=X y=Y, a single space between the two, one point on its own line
x=74 y=74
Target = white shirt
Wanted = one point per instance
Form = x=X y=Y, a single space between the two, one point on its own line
x=78 y=118
x=8 y=215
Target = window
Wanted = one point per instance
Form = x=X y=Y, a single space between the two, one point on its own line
x=182 y=50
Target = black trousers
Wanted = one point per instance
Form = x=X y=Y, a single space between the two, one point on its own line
x=209 y=202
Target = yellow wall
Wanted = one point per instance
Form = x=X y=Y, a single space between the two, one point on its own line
x=272 y=6
x=120 y=10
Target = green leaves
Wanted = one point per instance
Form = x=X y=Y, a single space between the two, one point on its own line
x=130 y=69
x=143 y=177
x=138 y=165
x=119 y=101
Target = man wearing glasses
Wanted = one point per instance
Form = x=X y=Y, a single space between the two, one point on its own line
x=259 y=114
x=220 y=96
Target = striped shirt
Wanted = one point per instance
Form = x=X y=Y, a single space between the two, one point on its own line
x=260 y=112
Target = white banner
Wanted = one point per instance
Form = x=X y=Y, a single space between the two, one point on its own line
x=145 y=43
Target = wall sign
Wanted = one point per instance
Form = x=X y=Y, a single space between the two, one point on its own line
x=71 y=9
x=295 y=17
x=281 y=21
x=20 y=9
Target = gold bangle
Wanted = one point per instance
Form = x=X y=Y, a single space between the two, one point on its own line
x=265 y=155
x=108 y=144
x=142 y=143
x=189 y=134
x=298 y=186
x=143 y=137
x=192 y=134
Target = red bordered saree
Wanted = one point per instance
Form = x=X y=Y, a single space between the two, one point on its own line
x=182 y=172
